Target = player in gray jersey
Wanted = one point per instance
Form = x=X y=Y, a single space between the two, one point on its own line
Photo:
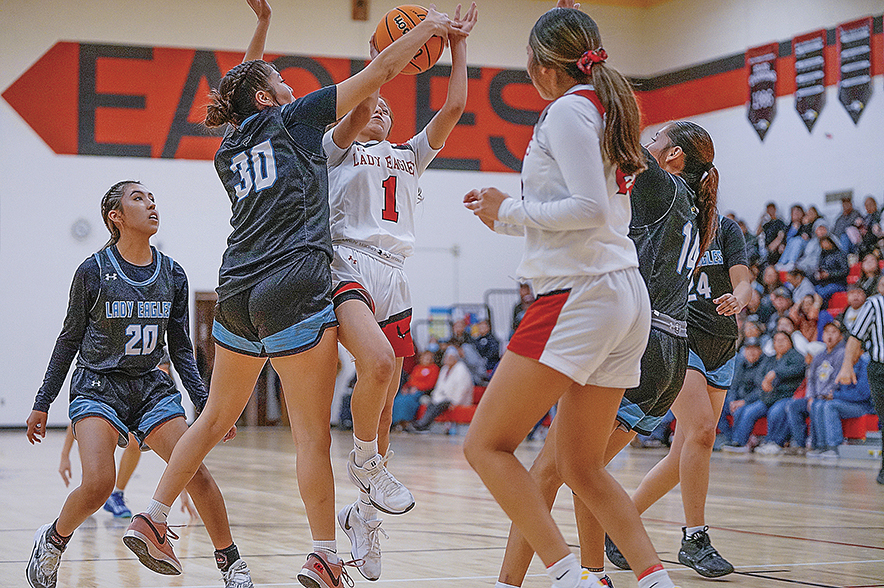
x=721 y=288
x=126 y=301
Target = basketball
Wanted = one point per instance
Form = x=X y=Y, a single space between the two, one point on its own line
x=399 y=21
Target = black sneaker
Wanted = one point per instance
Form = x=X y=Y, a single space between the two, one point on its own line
x=697 y=552
x=880 y=478
x=614 y=555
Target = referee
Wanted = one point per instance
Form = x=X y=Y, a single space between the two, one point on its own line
x=869 y=329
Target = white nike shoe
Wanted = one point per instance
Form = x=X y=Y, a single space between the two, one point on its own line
x=364 y=540
x=384 y=491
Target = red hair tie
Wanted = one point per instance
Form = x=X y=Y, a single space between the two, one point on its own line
x=590 y=58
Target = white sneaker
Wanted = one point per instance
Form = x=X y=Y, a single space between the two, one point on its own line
x=589 y=580
x=769 y=449
x=384 y=491
x=237 y=576
x=45 y=557
x=364 y=541
x=830 y=454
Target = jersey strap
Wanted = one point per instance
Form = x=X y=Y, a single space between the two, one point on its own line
x=592 y=97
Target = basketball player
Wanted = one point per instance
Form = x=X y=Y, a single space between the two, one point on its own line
x=274 y=293
x=673 y=218
x=373 y=189
x=570 y=347
x=126 y=301
x=722 y=287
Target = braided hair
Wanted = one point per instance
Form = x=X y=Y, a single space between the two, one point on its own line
x=234 y=100
x=111 y=201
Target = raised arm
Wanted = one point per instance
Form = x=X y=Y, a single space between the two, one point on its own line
x=390 y=62
x=256 y=45
x=349 y=127
x=445 y=120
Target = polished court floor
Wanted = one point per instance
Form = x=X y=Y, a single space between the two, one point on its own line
x=783 y=522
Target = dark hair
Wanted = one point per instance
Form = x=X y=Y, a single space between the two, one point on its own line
x=111 y=201
x=558 y=40
x=234 y=100
x=699 y=172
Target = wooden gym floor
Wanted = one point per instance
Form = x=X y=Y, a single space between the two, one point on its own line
x=783 y=522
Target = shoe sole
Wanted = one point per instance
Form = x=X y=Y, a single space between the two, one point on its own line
x=704 y=573
x=142 y=547
x=40 y=531
x=311 y=580
x=342 y=520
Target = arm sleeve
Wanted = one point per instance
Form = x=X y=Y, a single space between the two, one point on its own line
x=573 y=142
x=84 y=292
x=509 y=229
x=733 y=244
x=180 y=347
x=307 y=117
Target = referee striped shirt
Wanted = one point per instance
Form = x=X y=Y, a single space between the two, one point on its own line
x=869 y=327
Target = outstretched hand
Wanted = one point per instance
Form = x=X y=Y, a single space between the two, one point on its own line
x=261 y=9
x=568 y=4
x=463 y=26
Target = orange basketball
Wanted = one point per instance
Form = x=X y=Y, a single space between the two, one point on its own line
x=399 y=21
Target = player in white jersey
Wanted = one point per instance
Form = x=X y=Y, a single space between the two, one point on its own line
x=581 y=342
x=373 y=190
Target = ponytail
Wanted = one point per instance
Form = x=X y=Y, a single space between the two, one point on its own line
x=563 y=38
x=234 y=100
x=699 y=173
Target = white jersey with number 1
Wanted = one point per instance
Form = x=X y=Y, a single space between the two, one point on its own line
x=373 y=189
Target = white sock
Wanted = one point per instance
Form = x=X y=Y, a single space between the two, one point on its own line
x=328 y=548
x=504 y=585
x=691 y=530
x=565 y=573
x=158 y=512
x=365 y=450
x=365 y=508
x=658 y=579
x=120 y=490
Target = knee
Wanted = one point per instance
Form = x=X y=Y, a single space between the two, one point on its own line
x=95 y=490
x=703 y=435
x=379 y=368
x=546 y=473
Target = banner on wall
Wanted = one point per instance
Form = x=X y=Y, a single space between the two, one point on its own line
x=135 y=101
x=855 y=52
x=762 y=64
x=810 y=74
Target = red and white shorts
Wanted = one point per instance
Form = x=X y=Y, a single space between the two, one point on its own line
x=593 y=329
x=360 y=273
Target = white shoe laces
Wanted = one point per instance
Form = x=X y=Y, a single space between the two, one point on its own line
x=48 y=559
x=237 y=576
x=372 y=534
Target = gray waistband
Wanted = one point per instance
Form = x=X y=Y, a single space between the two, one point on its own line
x=668 y=324
x=376 y=252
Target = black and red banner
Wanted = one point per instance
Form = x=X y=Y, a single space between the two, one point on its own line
x=129 y=101
x=855 y=51
x=810 y=76
x=762 y=64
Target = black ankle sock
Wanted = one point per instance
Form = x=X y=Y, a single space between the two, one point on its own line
x=226 y=557
x=595 y=571
x=56 y=539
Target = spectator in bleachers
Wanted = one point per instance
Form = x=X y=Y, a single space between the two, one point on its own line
x=842 y=402
x=526 y=297
x=831 y=275
x=844 y=230
x=748 y=373
x=781 y=300
x=772 y=232
x=488 y=346
x=770 y=281
x=856 y=297
x=795 y=239
x=870 y=269
x=820 y=384
x=466 y=347
x=454 y=387
x=420 y=381
x=810 y=259
x=751 y=242
x=799 y=283
x=804 y=315
x=783 y=373
x=871 y=232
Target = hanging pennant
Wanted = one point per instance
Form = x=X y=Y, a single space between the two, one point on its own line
x=810 y=73
x=762 y=64
x=854 y=49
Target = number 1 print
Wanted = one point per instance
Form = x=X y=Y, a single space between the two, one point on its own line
x=389 y=213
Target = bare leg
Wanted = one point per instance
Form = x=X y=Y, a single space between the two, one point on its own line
x=96 y=439
x=387 y=414
x=308 y=381
x=520 y=393
x=128 y=462
x=233 y=380
x=375 y=365
x=584 y=419
x=202 y=487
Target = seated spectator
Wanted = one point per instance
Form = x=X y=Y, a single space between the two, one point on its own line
x=783 y=373
x=466 y=347
x=751 y=242
x=844 y=230
x=488 y=347
x=772 y=232
x=770 y=281
x=871 y=271
x=831 y=275
x=795 y=239
x=842 y=402
x=804 y=315
x=748 y=373
x=454 y=386
x=871 y=231
x=420 y=381
x=781 y=300
x=856 y=297
x=810 y=259
x=799 y=284
x=526 y=297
